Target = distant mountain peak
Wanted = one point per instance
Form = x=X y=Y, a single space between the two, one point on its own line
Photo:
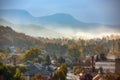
x=65 y=15
x=18 y=11
x=18 y=16
x=58 y=19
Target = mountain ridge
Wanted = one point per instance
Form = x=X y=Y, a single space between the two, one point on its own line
x=28 y=29
x=24 y=17
x=62 y=23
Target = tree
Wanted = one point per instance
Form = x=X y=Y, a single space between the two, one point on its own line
x=61 y=60
x=32 y=54
x=61 y=73
x=40 y=58
x=102 y=56
x=77 y=70
x=97 y=58
x=12 y=72
x=3 y=56
x=54 y=57
x=74 y=51
x=6 y=72
x=1 y=69
x=37 y=77
x=63 y=67
x=101 y=70
x=48 y=61
x=18 y=75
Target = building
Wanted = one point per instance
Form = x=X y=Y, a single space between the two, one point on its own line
x=88 y=66
x=109 y=65
x=113 y=62
x=37 y=68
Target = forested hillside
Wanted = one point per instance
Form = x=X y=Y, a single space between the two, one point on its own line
x=9 y=37
x=68 y=47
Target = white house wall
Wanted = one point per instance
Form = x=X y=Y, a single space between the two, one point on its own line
x=106 y=66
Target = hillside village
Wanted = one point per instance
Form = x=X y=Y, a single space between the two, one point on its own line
x=57 y=59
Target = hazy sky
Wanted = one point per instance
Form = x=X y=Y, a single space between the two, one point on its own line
x=96 y=11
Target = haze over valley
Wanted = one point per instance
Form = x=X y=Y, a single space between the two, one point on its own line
x=59 y=25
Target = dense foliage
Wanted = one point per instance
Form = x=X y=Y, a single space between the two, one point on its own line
x=77 y=70
x=61 y=73
x=31 y=54
x=74 y=49
x=70 y=47
x=12 y=72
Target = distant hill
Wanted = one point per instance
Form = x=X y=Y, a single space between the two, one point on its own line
x=62 y=19
x=16 y=16
x=9 y=37
x=22 y=42
x=32 y=29
x=52 y=26
x=59 y=19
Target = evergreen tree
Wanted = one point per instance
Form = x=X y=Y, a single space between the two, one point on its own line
x=48 y=61
x=61 y=60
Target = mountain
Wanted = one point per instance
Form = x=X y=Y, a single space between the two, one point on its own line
x=16 y=16
x=62 y=19
x=55 y=26
x=59 y=19
x=32 y=29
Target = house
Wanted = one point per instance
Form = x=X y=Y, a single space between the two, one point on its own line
x=109 y=65
x=107 y=76
x=88 y=65
x=37 y=68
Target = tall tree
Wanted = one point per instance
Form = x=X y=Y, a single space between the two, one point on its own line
x=48 y=60
x=61 y=60
x=18 y=75
x=103 y=56
x=61 y=73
